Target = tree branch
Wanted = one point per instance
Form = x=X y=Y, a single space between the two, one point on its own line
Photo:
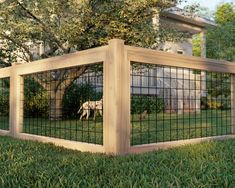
x=3 y=62
x=73 y=74
x=44 y=27
x=48 y=53
x=40 y=81
x=19 y=44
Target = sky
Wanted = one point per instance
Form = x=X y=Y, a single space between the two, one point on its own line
x=211 y=4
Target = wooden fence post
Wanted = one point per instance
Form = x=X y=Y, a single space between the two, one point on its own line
x=116 y=99
x=16 y=102
x=233 y=103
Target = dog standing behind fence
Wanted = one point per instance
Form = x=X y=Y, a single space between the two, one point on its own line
x=143 y=115
x=91 y=105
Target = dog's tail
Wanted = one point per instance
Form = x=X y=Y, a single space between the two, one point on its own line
x=79 y=110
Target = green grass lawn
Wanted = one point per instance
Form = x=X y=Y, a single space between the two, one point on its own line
x=73 y=129
x=167 y=127
x=154 y=128
x=33 y=164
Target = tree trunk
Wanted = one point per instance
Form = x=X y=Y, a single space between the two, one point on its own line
x=56 y=89
x=56 y=108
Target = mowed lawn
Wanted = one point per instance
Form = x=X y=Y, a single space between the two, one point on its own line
x=154 y=128
x=33 y=164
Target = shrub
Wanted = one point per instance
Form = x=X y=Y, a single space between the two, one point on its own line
x=139 y=103
x=37 y=105
x=4 y=103
x=213 y=104
x=36 y=102
x=4 y=96
x=75 y=96
x=221 y=102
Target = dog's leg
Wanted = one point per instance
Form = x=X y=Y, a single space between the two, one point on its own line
x=88 y=114
x=83 y=113
x=94 y=115
x=101 y=113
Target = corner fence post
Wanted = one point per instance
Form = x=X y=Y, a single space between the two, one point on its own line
x=232 y=103
x=116 y=99
x=16 y=102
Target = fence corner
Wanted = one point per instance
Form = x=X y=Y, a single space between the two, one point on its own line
x=116 y=99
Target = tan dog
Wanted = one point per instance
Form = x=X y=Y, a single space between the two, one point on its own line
x=143 y=115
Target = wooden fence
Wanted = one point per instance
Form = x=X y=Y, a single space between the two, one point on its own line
x=116 y=58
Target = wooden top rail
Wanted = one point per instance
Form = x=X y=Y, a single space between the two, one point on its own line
x=149 y=56
x=85 y=57
x=5 y=72
x=134 y=54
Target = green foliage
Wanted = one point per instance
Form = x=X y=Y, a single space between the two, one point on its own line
x=214 y=104
x=75 y=95
x=150 y=103
x=4 y=103
x=221 y=102
x=221 y=40
x=4 y=97
x=34 y=164
x=36 y=102
x=218 y=84
x=196 y=44
x=225 y=13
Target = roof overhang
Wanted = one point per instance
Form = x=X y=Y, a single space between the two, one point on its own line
x=186 y=21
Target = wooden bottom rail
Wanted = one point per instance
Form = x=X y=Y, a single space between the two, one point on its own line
x=94 y=148
x=171 y=144
x=74 y=145
x=4 y=133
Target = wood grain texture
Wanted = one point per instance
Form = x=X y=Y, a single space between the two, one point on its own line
x=173 y=144
x=5 y=72
x=4 y=133
x=16 y=102
x=85 y=57
x=142 y=55
x=94 y=148
x=116 y=99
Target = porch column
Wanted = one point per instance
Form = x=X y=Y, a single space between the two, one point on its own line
x=203 y=73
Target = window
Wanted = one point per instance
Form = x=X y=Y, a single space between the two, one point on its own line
x=180 y=52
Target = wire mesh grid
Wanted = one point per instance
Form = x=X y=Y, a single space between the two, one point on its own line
x=170 y=103
x=4 y=103
x=65 y=103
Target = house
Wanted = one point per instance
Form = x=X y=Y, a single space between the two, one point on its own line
x=185 y=22
x=175 y=85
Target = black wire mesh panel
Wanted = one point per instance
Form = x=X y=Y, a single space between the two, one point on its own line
x=169 y=103
x=65 y=103
x=4 y=103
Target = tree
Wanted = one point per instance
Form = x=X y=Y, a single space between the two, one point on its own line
x=221 y=40
x=197 y=45
x=225 y=13
x=221 y=45
x=65 y=26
